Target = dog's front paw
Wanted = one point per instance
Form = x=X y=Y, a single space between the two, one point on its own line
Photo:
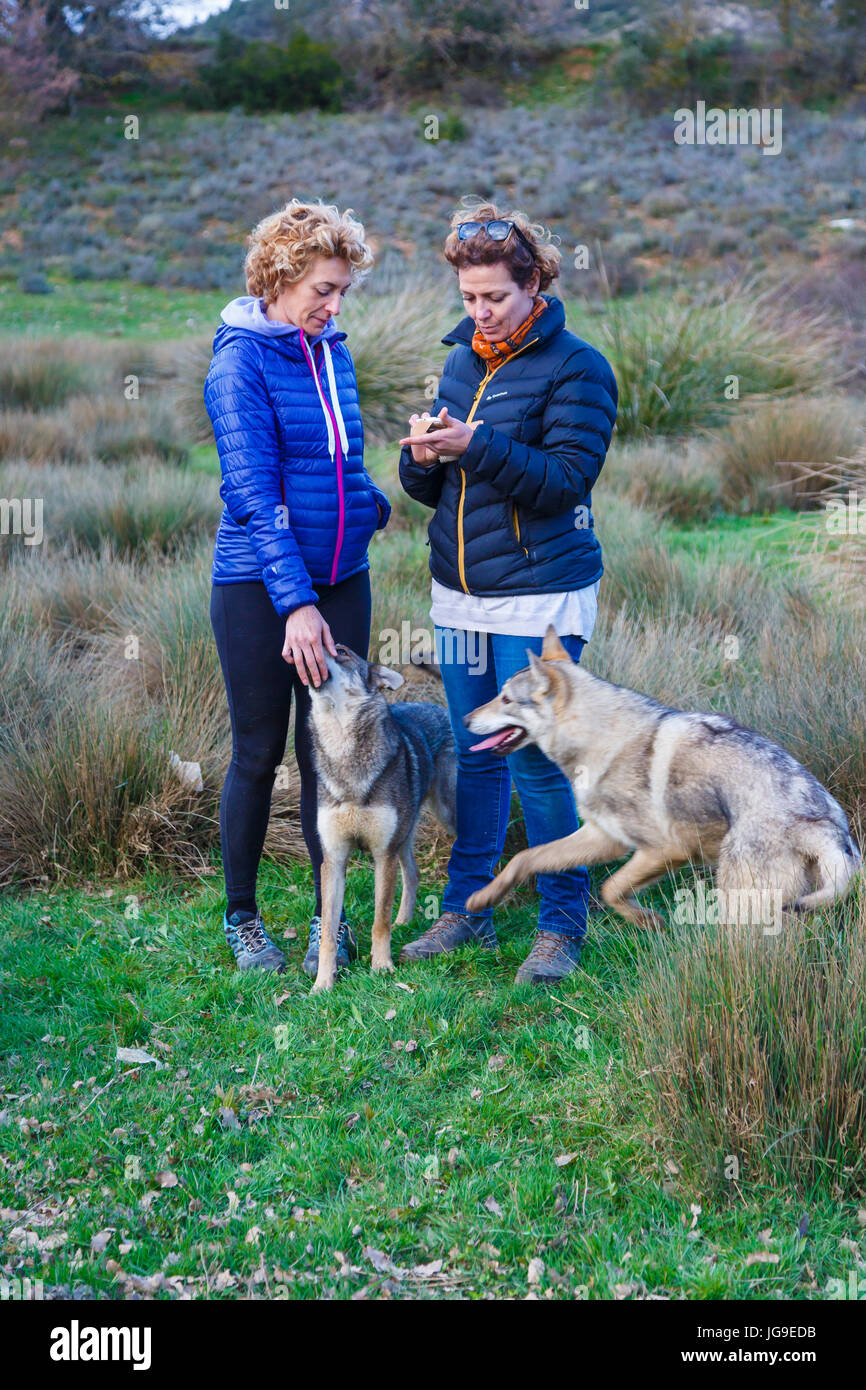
x=651 y=921
x=385 y=964
x=323 y=984
x=483 y=898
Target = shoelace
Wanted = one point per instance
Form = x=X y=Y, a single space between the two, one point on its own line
x=549 y=951
x=446 y=923
x=316 y=933
x=253 y=936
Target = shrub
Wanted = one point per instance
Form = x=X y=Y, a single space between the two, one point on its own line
x=673 y=357
x=806 y=688
x=34 y=282
x=755 y=1046
x=784 y=454
x=38 y=373
x=666 y=64
x=679 y=482
x=67 y=592
x=395 y=342
x=85 y=782
x=725 y=597
x=107 y=428
x=153 y=507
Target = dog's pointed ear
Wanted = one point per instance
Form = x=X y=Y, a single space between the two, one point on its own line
x=383 y=678
x=541 y=672
x=552 y=649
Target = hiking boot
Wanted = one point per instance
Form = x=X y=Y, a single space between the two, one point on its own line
x=452 y=930
x=347 y=947
x=552 y=957
x=250 y=944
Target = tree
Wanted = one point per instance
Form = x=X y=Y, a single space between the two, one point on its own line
x=269 y=76
x=33 y=79
x=100 y=41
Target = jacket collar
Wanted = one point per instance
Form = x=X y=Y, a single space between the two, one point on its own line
x=547 y=326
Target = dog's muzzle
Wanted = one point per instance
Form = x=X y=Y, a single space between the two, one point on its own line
x=503 y=741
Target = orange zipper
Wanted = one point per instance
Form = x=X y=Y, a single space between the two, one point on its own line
x=461 y=566
x=515 y=521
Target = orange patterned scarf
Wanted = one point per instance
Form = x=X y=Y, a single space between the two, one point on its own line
x=496 y=353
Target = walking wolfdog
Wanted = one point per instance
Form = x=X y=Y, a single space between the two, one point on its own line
x=666 y=787
x=378 y=766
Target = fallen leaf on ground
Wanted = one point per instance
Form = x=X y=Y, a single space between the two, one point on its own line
x=138 y=1056
x=378 y=1259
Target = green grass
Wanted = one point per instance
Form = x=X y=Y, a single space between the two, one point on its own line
x=203 y=458
x=776 y=537
x=297 y=1129
x=115 y=308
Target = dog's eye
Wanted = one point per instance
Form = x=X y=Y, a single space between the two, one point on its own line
x=507 y=700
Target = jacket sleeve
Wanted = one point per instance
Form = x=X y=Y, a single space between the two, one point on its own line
x=246 y=438
x=577 y=425
x=421 y=481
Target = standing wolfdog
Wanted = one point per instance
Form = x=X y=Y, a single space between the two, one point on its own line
x=378 y=766
x=665 y=787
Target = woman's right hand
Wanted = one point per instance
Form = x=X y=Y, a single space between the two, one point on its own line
x=307 y=634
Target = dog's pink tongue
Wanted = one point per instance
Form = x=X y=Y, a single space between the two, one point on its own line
x=493 y=741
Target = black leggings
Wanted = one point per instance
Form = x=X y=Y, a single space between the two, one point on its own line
x=259 y=684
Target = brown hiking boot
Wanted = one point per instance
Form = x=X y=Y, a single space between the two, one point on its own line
x=452 y=930
x=552 y=957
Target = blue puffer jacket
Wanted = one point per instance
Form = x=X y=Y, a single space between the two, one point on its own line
x=512 y=516
x=300 y=508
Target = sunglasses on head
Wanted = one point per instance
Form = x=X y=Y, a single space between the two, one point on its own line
x=498 y=230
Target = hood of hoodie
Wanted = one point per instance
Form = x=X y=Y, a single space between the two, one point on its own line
x=246 y=315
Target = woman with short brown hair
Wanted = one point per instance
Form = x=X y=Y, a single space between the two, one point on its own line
x=528 y=411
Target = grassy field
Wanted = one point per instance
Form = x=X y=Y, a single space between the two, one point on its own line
x=440 y=1133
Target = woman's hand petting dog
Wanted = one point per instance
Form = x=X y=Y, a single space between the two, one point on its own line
x=306 y=635
x=450 y=441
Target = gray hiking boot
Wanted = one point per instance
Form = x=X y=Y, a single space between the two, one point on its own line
x=452 y=930
x=552 y=957
x=347 y=947
x=250 y=944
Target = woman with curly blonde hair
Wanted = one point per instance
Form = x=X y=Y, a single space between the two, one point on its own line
x=528 y=410
x=290 y=571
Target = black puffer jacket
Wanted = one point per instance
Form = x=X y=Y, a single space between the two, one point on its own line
x=513 y=514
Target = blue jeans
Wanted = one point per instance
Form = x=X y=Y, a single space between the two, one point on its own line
x=475 y=666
